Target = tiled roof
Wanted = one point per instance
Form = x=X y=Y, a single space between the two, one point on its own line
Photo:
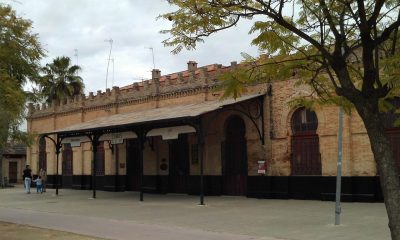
x=153 y=115
x=15 y=149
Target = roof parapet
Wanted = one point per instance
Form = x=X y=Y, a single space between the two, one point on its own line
x=193 y=77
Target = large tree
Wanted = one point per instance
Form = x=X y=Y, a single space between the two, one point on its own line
x=20 y=53
x=60 y=80
x=333 y=44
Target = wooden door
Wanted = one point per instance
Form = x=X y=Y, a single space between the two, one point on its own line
x=12 y=172
x=234 y=158
x=132 y=165
x=306 y=158
x=67 y=161
x=305 y=155
x=42 y=154
x=179 y=164
x=100 y=159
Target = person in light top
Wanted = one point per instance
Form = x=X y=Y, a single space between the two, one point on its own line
x=38 y=182
x=43 y=175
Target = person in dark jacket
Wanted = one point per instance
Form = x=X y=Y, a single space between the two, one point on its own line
x=27 y=179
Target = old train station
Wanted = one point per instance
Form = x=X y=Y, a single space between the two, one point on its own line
x=174 y=134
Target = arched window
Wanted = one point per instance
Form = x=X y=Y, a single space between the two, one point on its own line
x=42 y=154
x=100 y=155
x=304 y=121
x=306 y=158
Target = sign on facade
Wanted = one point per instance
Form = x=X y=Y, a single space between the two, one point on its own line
x=170 y=132
x=261 y=167
x=117 y=138
x=75 y=141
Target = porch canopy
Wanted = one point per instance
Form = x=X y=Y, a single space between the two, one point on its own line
x=150 y=116
x=150 y=122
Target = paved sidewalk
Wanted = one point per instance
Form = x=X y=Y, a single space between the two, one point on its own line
x=121 y=216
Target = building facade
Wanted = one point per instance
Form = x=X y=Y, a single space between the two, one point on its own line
x=259 y=131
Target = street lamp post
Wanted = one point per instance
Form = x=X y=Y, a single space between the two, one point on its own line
x=338 y=209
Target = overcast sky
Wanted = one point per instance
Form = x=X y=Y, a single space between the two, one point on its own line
x=66 y=25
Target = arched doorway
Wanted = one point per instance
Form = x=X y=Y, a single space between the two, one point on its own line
x=393 y=130
x=100 y=159
x=67 y=158
x=132 y=182
x=178 y=164
x=234 y=157
x=42 y=154
x=306 y=158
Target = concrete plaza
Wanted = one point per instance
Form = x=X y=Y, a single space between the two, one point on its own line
x=120 y=215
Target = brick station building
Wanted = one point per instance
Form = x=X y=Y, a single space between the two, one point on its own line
x=172 y=134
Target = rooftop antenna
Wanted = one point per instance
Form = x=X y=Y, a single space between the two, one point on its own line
x=112 y=82
x=138 y=78
x=109 y=57
x=76 y=56
x=152 y=54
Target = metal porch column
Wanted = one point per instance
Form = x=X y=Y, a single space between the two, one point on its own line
x=141 y=140
x=57 y=153
x=57 y=144
x=200 y=141
x=95 y=144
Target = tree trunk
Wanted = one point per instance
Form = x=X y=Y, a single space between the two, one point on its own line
x=387 y=167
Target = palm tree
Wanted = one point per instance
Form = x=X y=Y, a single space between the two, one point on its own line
x=60 y=80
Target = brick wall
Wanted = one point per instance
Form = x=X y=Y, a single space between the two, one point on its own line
x=197 y=86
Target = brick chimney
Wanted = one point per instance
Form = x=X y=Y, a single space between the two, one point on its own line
x=155 y=74
x=192 y=65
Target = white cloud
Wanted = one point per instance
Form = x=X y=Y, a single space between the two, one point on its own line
x=84 y=25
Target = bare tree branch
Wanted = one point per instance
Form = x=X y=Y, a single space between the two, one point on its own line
x=378 y=6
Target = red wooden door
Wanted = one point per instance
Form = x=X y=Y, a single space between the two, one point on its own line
x=305 y=155
x=306 y=158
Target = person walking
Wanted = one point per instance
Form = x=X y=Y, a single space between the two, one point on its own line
x=27 y=179
x=39 y=185
x=43 y=175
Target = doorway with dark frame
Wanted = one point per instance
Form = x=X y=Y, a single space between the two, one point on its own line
x=306 y=159
x=67 y=167
x=178 y=164
x=234 y=158
x=12 y=172
x=132 y=165
x=42 y=154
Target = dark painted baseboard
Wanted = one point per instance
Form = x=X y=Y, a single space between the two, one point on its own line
x=212 y=185
x=354 y=189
